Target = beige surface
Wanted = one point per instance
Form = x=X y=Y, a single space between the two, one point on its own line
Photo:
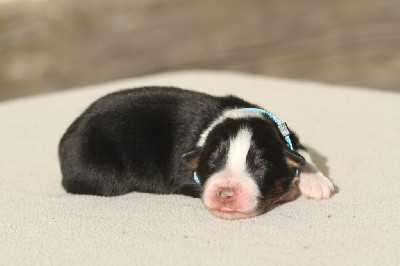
x=356 y=130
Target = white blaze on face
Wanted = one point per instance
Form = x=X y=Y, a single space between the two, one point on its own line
x=234 y=176
x=238 y=149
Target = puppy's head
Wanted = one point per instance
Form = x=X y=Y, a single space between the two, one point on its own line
x=244 y=167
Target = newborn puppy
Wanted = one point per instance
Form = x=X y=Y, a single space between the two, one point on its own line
x=237 y=157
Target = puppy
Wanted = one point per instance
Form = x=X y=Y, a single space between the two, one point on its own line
x=239 y=158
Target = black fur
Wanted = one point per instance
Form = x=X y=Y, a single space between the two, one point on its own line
x=134 y=140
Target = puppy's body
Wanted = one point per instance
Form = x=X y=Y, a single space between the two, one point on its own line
x=134 y=140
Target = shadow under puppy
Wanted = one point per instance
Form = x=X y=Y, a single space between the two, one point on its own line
x=237 y=157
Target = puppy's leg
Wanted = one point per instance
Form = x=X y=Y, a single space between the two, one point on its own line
x=312 y=183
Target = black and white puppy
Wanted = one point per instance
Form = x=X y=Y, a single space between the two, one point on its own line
x=155 y=139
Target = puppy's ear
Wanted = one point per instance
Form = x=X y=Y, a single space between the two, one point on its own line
x=293 y=159
x=192 y=158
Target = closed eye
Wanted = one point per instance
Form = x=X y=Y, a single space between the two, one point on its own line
x=255 y=160
x=258 y=161
x=217 y=157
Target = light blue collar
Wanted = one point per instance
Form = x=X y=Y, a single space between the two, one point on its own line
x=282 y=128
x=196 y=178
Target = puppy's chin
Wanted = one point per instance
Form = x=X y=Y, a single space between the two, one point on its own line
x=242 y=206
x=232 y=215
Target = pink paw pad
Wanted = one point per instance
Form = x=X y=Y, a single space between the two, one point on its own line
x=315 y=185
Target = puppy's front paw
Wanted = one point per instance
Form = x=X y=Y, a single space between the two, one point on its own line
x=315 y=185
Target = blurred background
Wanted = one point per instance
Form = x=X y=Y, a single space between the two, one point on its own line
x=50 y=45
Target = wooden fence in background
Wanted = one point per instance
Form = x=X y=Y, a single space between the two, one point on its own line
x=52 y=45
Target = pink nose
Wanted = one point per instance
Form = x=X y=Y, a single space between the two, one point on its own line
x=225 y=194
